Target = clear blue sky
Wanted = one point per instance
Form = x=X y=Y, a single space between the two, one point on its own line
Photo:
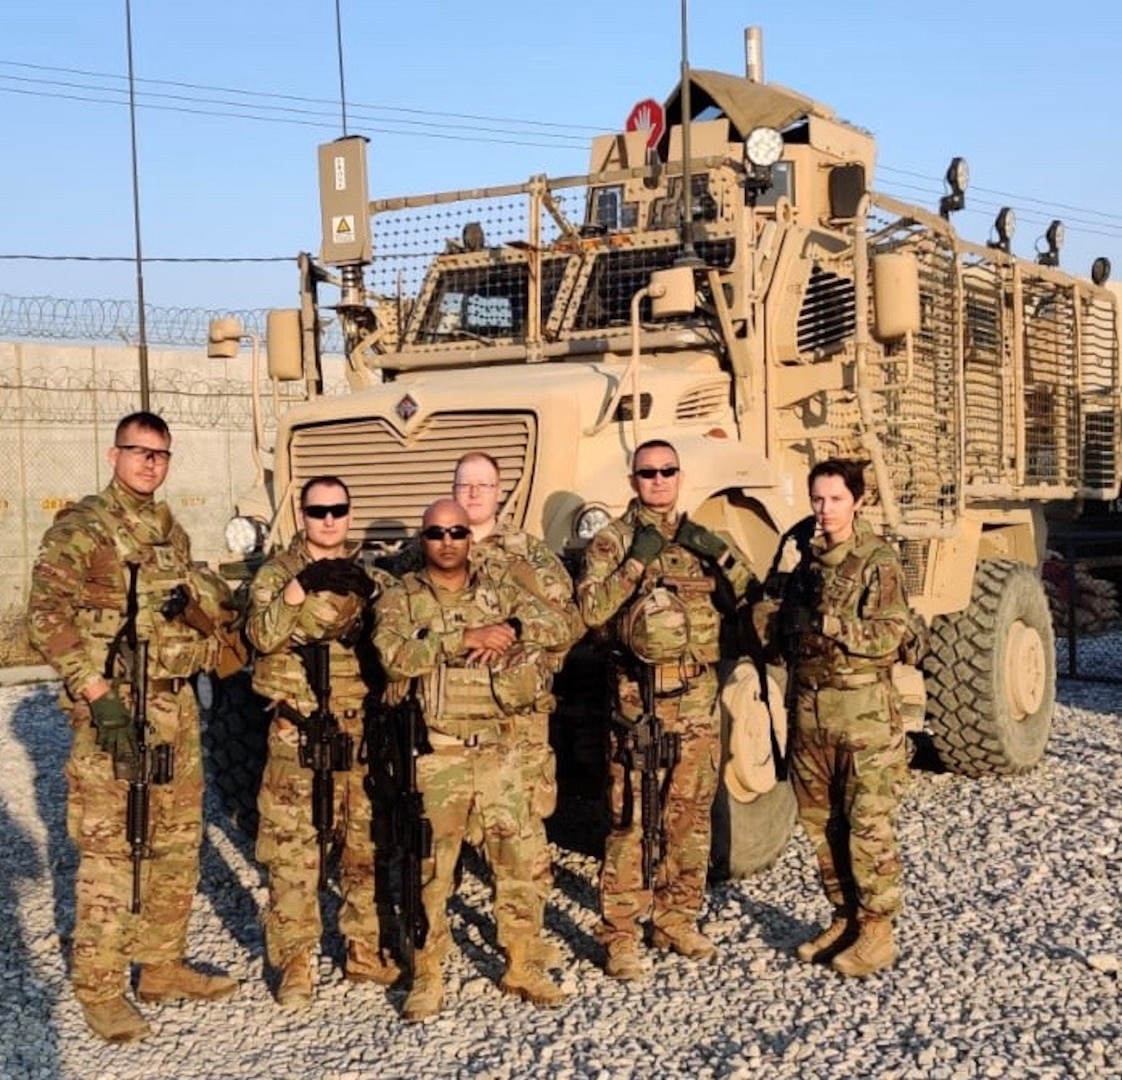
x=1027 y=93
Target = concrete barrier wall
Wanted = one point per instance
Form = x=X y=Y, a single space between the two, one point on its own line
x=59 y=406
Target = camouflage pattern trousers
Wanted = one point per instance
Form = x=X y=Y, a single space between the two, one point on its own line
x=457 y=782
x=848 y=764
x=107 y=936
x=679 y=885
x=287 y=847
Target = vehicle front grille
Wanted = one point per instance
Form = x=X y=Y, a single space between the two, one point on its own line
x=393 y=479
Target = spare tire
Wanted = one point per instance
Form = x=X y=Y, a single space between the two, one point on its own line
x=234 y=733
x=749 y=837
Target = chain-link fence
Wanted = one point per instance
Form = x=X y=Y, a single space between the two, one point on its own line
x=1083 y=578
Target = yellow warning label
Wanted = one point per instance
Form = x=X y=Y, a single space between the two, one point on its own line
x=343 y=229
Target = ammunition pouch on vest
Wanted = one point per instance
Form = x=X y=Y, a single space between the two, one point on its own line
x=459 y=700
x=175 y=650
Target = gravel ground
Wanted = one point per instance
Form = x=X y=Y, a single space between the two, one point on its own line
x=1010 y=949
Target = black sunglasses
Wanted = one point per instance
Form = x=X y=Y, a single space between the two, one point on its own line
x=320 y=510
x=650 y=474
x=453 y=532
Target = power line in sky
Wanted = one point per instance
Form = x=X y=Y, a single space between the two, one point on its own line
x=484 y=131
x=273 y=95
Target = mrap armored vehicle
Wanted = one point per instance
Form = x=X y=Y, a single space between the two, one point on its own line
x=733 y=284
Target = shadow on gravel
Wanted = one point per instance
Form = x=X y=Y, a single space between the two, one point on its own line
x=778 y=929
x=233 y=903
x=580 y=944
x=27 y=1004
x=48 y=746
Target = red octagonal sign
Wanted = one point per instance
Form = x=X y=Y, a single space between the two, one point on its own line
x=647 y=115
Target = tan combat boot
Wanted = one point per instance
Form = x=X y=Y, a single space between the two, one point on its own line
x=115 y=1020
x=873 y=950
x=841 y=933
x=297 y=985
x=685 y=941
x=546 y=954
x=625 y=960
x=524 y=977
x=367 y=963
x=426 y=996
x=178 y=981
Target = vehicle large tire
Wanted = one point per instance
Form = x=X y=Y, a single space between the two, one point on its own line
x=749 y=837
x=991 y=675
x=235 y=733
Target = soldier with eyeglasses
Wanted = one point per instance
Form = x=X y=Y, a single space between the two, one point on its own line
x=99 y=592
x=470 y=645
x=660 y=583
x=316 y=594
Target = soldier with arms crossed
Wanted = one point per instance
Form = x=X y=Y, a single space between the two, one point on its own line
x=471 y=647
x=315 y=595
x=845 y=620
x=102 y=581
x=503 y=550
x=654 y=578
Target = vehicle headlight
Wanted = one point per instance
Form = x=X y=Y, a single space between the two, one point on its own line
x=245 y=535
x=589 y=521
x=764 y=146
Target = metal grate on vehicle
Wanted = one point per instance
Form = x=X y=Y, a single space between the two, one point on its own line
x=393 y=479
x=828 y=316
x=701 y=402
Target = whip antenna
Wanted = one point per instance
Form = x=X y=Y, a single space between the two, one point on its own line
x=142 y=328
x=339 y=50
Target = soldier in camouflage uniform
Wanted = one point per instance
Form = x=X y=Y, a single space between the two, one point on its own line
x=654 y=578
x=502 y=550
x=311 y=593
x=845 y=619
x=80 y=603
x=472 y=644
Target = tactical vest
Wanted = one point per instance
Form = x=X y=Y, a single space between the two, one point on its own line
x=672 y=617
x=281 y=676
x=461 y=701
x=843 y=589
x=175 y=650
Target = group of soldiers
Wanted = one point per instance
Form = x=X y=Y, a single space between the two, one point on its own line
x=461 y=633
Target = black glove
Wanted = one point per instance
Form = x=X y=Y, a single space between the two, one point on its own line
x=645 y=544
x=339 y=576
x=115 y=731
x=796 y=620
x=700 y=540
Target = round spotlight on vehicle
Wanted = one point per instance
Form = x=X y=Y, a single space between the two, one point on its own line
x=245 y=535
x=958 y=174
x=957 y=178
x=764 y=147
x=589 y=521
x=1054 y=238
x=1100 y=270
x=1005 y=225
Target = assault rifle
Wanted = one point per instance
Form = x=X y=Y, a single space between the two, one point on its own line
x=151 y=764
x=643 y=747
x=798 y=591
x=323 y=748
x=399 y=738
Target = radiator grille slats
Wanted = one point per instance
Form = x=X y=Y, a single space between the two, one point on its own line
x=392 y=479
